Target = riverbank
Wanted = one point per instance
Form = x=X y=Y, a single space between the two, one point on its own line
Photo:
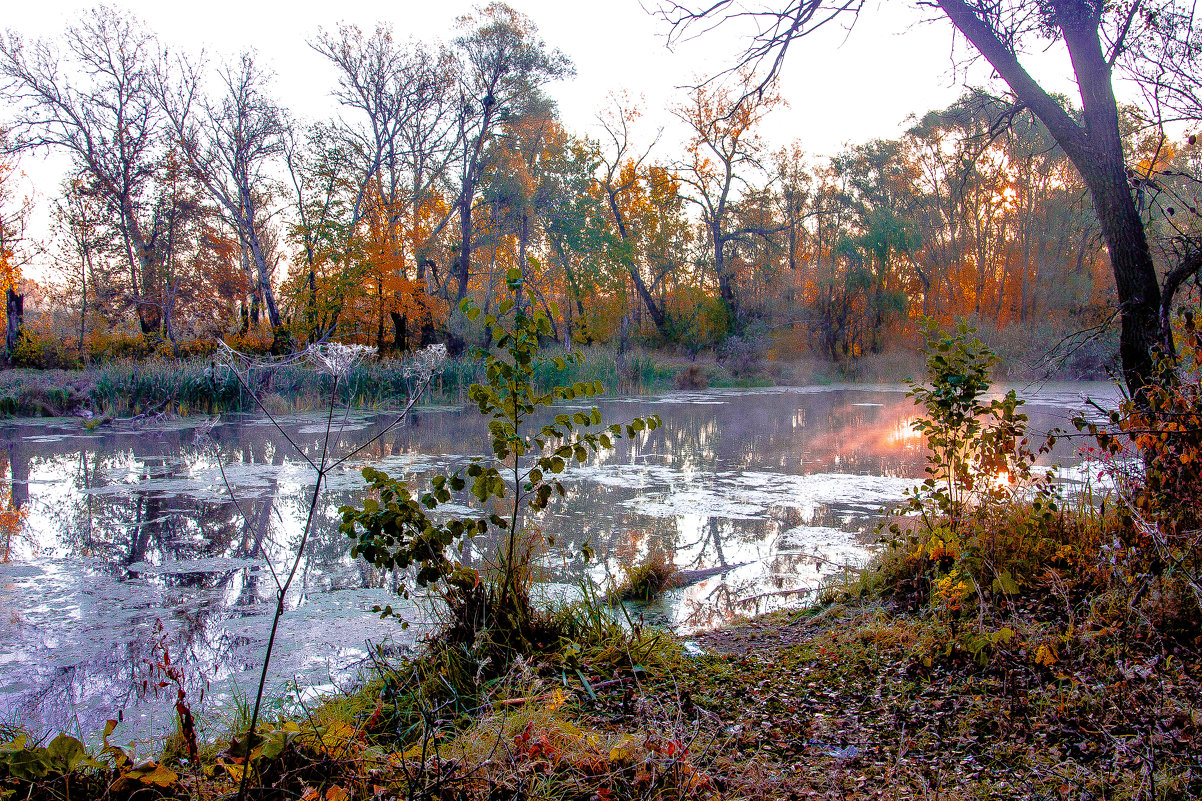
x=201 y=385
x=1065 y=680
x=207 y=386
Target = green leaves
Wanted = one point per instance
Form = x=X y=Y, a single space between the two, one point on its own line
x=393 y=528
x=26 y=763
x=979 y=451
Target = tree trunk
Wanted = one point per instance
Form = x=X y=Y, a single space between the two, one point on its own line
x=15 y=307
x=463 y=267
x=726 y=289
x=1096 y=150
x=1134 y=277
x=264 y=291
x=400 y=332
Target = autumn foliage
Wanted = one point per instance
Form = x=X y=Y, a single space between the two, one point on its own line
x=373 y=225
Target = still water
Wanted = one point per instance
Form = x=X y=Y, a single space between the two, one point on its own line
x=120 y=547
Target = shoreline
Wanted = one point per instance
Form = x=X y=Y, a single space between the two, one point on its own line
x=197 y=385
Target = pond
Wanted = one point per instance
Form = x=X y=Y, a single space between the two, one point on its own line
x=121 y=548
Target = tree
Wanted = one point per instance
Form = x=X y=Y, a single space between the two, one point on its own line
x=397 y=146
x=14 y=217
x=230 y=142
x=79 y=221
x=577 y=233
x=96 y=102
x=625 y=181
x=879 y=187
x=1007 y=230
x=722 y=151
x=502 y=62
x=1097 y=35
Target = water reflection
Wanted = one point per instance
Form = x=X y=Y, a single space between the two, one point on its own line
x=105 y=534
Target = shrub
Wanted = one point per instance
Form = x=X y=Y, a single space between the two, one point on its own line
x=978 y=532
x=692 y=377
x=393 y=529
x=1153 y=451
x=44 y=352
x=979 y=452
x=742 y=355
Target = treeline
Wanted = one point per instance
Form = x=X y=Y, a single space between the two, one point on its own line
x=198 y=207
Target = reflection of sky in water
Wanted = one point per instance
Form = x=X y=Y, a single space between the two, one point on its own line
x=757 y=494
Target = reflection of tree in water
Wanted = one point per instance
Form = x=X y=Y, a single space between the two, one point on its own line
x=12 y=514
x=119 y=518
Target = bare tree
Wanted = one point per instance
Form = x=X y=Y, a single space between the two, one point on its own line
x=723 y=149
x=95 y=102
x=1096 y=35
x=621 y=168
x=230 y=141
x=78 y=224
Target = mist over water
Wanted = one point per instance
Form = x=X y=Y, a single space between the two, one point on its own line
x=121 y=546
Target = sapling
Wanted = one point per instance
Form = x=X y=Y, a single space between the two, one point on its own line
x=395 y=528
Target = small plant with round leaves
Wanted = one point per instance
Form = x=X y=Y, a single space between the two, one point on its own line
x=980 y=454
x=521 y=474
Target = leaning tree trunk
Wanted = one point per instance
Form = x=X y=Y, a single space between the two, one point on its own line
x=1134 y=279
x=1095 y=147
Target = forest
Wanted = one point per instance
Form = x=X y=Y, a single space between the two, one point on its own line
x=197 y=208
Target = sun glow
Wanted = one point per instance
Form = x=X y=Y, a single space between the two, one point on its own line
x=904 y=432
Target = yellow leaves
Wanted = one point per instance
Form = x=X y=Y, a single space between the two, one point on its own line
x=622 y=753
x=339 y=740
x=1045 y=656
x=332 y=793
x=1158 y=161
x=147 y=774
x=939 y=548
x=235 y=771
x=951 y=590
x=152 y=773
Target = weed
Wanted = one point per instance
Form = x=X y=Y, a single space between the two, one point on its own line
x=647 y=580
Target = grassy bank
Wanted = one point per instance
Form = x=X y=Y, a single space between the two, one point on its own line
x=199 y=385
x=1068 y=682
x=124 y=387
x=185 y=386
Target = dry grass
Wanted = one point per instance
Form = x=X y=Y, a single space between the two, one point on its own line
x=648 y=580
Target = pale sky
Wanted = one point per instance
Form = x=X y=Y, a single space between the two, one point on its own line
x=839 y=90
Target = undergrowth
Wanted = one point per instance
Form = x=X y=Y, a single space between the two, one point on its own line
x=648 y=579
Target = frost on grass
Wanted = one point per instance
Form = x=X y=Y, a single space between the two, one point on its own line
x=336 y=359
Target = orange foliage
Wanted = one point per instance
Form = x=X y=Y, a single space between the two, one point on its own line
x=12 y=519
x=12 y=219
